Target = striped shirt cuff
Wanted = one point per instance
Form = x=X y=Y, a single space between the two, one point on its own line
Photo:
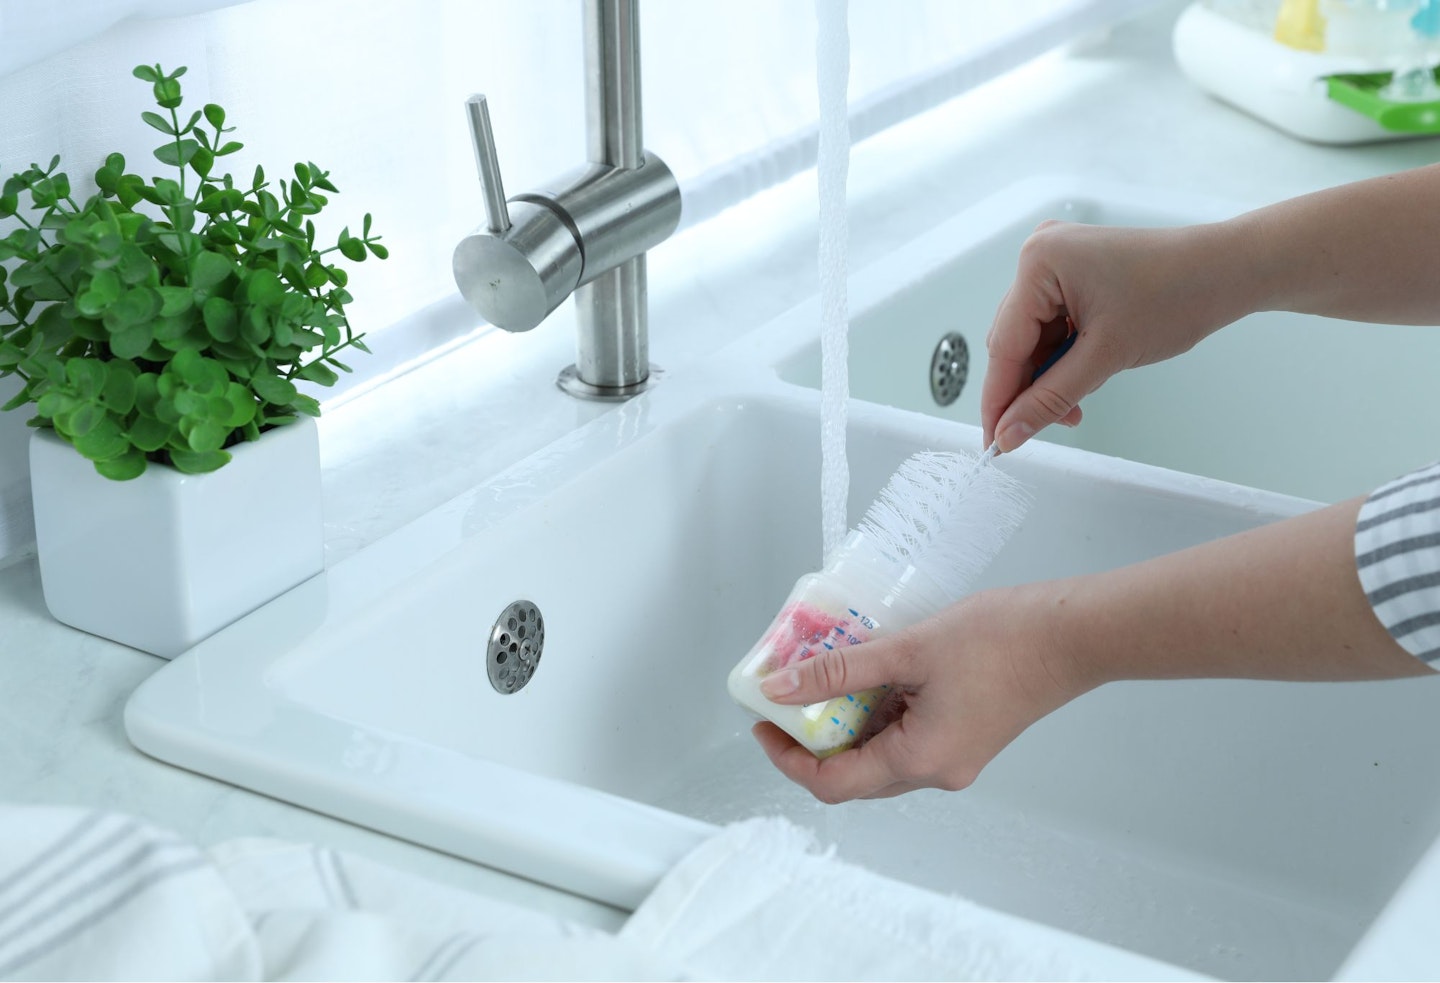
x=1397 y=553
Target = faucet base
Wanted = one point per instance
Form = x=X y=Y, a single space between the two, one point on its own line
x=570 y=381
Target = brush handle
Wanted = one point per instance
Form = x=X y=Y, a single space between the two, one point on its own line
x=1056 y=355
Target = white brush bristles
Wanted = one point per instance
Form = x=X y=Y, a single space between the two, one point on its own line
x=947 y=514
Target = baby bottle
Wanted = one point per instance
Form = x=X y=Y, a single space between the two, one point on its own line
x=859 y=595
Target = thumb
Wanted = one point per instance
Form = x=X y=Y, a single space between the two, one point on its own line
x=839 y=672
x=1051 y=397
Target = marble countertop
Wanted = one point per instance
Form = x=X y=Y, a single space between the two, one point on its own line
x=1113 y=108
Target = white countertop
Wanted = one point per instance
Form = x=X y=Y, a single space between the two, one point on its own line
x=1114 y=108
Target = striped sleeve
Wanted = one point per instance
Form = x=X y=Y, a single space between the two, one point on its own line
x=1397 y=554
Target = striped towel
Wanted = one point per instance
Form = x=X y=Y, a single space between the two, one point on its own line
x=1397 y=553
x=101 y=896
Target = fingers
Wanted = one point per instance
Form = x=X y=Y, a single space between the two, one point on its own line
x=1030 y=332
x=1052 y=398
x=869 y=772
x=837 y=672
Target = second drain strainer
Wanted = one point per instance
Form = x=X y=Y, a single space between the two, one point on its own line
x=516 y=641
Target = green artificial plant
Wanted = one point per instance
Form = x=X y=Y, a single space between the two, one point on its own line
x=166 y=320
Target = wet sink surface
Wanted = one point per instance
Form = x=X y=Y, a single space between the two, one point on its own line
x=1235 y=829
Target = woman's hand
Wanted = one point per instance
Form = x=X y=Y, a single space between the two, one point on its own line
x=1282 y=601
x=1133 y=297
x=963 y=685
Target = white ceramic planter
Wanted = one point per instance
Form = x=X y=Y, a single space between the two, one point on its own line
x=165 y=560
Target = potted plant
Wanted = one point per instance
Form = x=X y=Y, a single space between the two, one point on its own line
x=160 y=328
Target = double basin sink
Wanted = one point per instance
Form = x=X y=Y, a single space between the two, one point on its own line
x=1227 y=828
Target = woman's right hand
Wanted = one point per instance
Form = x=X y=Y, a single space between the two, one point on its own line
x=1133 y=296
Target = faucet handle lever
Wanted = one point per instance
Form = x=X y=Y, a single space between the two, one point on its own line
x=497 y=214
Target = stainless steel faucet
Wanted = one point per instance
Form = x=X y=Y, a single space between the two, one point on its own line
x=587 y=236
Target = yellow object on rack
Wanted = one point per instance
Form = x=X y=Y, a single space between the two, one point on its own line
x=1300 y=25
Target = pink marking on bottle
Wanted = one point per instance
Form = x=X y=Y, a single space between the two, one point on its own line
x=799 y=630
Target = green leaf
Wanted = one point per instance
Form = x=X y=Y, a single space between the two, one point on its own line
x=147 y=393
x=86 y=376
x=134 y=266
x=208 y=270
x=129 y=190
x=10 y=355
x=220 y=319
x=136 y=305
x=103 y=443
x=103 y=291
x=308 y=405
x=255 y=327
x=204 y=435
x=202 y=161
x=149 y=434
x=189 y=404
x=350 y=247
x=177 y=154
x=145 y=73
x=242 y=406
x=274 y=390
x=127 y=466
x=85 y=419
x=230 y=147
x=159 y=122
x=175 y=300
x=319 y=373
x=215 y=115
x=54 y=327
x=263 y=287
x=167 y=192
x=119 y=392
x=166 y=412
x=167 y=93
x=174 y=333
x=379 y=251
x=187 y=367
x=315 y=276
x=132 y=340
x=53 y=404
x=191 y=462
x=17 y=401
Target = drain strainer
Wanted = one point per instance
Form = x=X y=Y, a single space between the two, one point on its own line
x=515 y=645
x=949 y=368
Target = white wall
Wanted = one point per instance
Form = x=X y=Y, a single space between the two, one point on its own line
x=374 y=91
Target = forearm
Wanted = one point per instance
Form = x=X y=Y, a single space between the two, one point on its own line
x=1282 y=601
x=1365 y=251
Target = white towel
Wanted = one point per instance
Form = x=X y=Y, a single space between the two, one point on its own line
x=763 y=901
x=101 y=896
x=93 y=895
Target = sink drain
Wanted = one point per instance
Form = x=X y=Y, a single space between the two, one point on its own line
x=516 y=641
x=949 y=368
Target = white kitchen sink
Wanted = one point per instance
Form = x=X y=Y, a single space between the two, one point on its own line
x=1230 y=828
x=1310 y=406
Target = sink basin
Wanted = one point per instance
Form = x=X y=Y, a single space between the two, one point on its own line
x=1278 y=401
x=1274 y=820
x=1230 y=828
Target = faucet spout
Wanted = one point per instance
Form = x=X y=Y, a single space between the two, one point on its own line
x=589 y=235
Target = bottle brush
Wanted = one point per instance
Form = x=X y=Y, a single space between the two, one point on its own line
x=935 y=527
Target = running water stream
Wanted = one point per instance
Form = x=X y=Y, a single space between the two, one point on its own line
x=832 y=57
